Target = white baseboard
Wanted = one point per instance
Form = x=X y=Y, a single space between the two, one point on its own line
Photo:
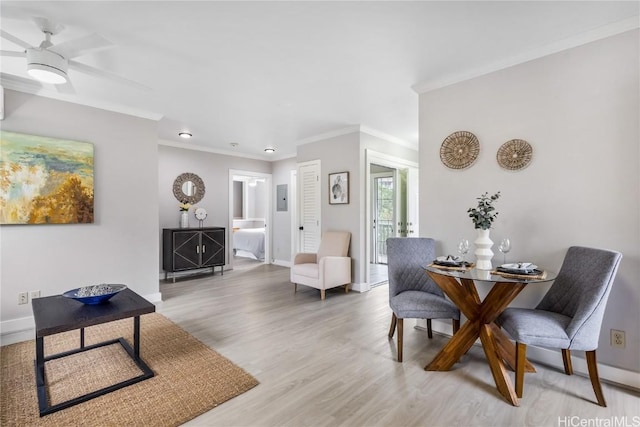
x=16 y=330
x=282 y=263
x=553 y=358
x=24 y=328
x=360 y=287
x=154 y=298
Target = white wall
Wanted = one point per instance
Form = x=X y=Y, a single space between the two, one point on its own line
x=121 y=246
x=256 y=201
x=579 y=109
x=214 y=170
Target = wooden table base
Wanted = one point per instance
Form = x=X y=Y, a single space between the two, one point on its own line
x=481 y=316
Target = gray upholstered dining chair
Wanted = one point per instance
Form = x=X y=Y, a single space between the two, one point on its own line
x=570 y=314
x=412 y=293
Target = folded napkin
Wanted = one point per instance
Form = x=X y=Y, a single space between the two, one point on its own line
x=449 y=259
x=519 y=267
x=463 y=266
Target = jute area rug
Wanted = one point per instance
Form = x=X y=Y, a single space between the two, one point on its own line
x=190 y=378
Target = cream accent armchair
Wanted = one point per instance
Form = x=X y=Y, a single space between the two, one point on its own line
x=329 y=268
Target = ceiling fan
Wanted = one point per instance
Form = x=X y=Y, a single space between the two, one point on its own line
x=48 y=63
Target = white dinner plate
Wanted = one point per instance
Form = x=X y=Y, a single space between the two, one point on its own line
x=520 y=266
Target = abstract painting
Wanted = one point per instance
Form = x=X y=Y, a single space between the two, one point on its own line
x=339 y=188
x=45 y=180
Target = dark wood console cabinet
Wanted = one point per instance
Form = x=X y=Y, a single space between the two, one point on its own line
x=191 y=248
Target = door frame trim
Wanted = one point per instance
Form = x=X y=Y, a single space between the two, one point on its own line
x=268 y=225
x=378 y=158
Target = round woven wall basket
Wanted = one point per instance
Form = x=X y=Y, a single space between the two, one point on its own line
x=515 y=154
x=459 y=150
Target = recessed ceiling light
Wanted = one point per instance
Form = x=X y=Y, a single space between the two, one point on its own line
x=269 y=150
x=185 y=135
x=233 y=144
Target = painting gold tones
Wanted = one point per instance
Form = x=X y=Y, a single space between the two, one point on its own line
x=45 y=180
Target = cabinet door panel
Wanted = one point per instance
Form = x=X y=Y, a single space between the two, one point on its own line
x=186 y=250
x=212 y=248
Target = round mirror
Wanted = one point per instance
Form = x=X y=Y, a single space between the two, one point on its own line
x=188 y=188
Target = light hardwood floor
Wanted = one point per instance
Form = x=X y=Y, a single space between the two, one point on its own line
x=329 y=363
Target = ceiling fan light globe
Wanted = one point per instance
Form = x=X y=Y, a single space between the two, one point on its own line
x=46 y=66
x=46 y=74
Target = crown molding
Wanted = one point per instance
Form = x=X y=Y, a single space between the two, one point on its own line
x=328 y=135
x=357 y=128
x=387 y=137
x=596 y=34
x=33 y=87
x=196 y=147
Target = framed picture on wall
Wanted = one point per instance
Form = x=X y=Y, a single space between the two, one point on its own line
x=45 y=180
x=339 y=188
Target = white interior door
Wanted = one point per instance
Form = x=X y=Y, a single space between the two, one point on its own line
x=309 y=206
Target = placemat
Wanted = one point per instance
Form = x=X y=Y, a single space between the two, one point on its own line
x=542 y=275
x=452 y=268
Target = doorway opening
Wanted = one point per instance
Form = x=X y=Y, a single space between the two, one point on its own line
x=391 y=209
x=249 y=218
x=383 y=218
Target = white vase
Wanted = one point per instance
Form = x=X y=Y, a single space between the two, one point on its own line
x=483 y=250
x=184 y=219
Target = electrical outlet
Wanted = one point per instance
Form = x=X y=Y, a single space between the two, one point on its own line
x=23 y=298
x=617 y=339
x=34 y=294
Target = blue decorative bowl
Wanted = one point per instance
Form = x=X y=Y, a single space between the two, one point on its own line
x=95 y=294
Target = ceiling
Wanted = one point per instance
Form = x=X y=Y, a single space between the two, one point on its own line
x=277 y=74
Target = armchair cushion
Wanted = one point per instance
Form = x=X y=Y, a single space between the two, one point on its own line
x=305 y=258
x=334 y=243
x=306 y=270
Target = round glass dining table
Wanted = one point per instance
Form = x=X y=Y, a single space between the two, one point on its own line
x=459 y=286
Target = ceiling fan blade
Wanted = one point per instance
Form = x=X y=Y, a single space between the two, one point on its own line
x=66 y=88
x=77 y=47
x=14 y=39
x=78 y=66
x=11 y=53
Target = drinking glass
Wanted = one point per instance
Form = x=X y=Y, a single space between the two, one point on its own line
x=463 y=248
x=505 y=247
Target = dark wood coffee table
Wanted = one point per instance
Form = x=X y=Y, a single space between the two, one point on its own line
x=58 y=314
